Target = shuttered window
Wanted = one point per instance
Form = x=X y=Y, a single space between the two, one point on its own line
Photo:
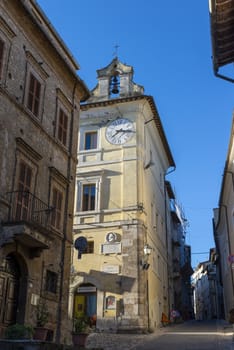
x=34 y=95
x=62 y=127
x=23 y=193
x=57 y=200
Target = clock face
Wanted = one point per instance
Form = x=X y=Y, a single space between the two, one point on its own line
x=119 y=131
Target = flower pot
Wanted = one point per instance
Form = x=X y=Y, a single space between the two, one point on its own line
x=79 y=338
x=40 y=333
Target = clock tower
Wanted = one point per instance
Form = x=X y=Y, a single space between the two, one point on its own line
x=121 y=278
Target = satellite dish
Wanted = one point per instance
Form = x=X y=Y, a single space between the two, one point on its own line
x=80 y=245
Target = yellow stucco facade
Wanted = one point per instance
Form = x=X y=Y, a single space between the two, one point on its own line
x=120 y=207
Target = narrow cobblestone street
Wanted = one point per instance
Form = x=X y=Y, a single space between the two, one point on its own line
x=218 y=333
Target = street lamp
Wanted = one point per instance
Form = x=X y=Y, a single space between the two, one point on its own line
x=147 y=249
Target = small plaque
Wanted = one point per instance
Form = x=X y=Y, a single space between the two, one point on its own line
x=110 y=269
x=108 y=248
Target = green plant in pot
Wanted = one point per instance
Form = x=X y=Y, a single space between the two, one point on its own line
x=19 y=331
x=81 y=330
x=42 y=313
x=42 y=316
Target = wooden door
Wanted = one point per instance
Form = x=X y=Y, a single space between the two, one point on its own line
x=9 y=289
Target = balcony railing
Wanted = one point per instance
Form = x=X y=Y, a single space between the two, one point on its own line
x=25 y=207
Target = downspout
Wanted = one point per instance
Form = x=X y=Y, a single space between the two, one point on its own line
x=66 y=215
x=166 y=229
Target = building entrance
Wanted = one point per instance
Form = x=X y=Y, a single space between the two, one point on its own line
x=9 y=291
x=85 y=302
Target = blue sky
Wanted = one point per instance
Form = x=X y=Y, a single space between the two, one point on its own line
x=169 y=45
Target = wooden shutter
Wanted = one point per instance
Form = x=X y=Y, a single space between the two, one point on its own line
x=23 y=193
x=57 y=208
x=34 y=95
x=62 y=127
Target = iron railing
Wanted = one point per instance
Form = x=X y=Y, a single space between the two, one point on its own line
x=25 y=207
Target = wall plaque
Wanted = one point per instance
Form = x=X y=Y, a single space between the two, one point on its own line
x=108 y=248
x=110 y=269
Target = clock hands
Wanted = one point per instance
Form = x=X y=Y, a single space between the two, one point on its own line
x=119 y=131
x=122 y=130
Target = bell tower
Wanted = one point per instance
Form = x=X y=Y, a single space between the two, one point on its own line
x=123 y=155
x=115 y=81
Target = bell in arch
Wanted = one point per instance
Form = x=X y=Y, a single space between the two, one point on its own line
x=115 y=85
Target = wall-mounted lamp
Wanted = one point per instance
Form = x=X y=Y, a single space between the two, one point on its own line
x=147 y=249
x=144 y=261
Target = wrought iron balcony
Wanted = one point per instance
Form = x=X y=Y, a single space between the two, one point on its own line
x=28 y=221
x=25 y=207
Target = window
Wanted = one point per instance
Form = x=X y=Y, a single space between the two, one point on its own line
x=57 y=200
x=51 y=281
x=62 y=127
x=88 y=197
x=1 y=57
x=88 y=193
x=23 y=197
x=89 y=248
x=34 y=92
x=90 y=140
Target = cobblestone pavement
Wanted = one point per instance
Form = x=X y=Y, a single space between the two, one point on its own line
x=113 y=341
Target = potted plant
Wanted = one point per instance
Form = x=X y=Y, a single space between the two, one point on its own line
x=42 y=316
x=19 y=331
x=81 y=330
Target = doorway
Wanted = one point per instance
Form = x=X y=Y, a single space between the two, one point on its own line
x=11 y=287
x=85 y=302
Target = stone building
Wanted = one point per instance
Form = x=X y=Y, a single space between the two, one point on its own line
x=223 y=229
x=181 y=270
x=122 y=225
x=222 y=28
x=40 y=95
x=207 y=292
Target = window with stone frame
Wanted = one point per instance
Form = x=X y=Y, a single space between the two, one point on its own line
x=90 y=140
x=23 y=198
x=57 y=205
x=51 y=281
x=6 y=35
x=88 y=197
x=35 y=81
x=88 y=193
x=34 y=95
x=63 y=127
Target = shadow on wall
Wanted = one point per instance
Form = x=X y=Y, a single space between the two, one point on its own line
x=108 y=282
